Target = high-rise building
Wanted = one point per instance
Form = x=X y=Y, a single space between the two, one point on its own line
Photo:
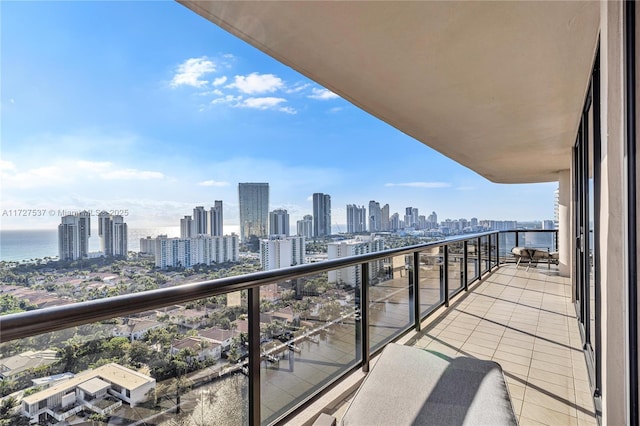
x=321 y=215
x=556 y=208
x=432 y=221
x=279 y=222
x=411 y=217
x=305 y=226
x=394 y=222
x=216 y=228
x=113 y=235
x=186 y=227
x=73 y=236
x=253 y=200
x=385 y=224
x=375 y=216
x=199 y=221
x=202 y=249
x=279 y=251
x=361 y=245
x=356 y=219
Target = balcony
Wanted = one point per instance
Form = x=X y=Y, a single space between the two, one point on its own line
x=307 y=337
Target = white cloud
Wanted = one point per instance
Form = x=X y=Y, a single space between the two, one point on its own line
x=94 y=165
x=466 y=188
x=220 y=80
x=33 y=178
x=7 y=166
x=226 y=99
x=420 y=184
x=215 y=183
x=322 y=94
x=265 y=103
x=13 y=101
x=191 y=71
x=261 y=103
x=335 y=110
x=299 y=87
x=255 y=83
x=131 y=174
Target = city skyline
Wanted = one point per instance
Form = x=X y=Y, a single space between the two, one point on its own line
x=159 y=134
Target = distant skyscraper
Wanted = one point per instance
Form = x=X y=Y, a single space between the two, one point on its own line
x=411 y=217
x=375 y=216
x=186 y=227
x=321 y=215
x=305 y=226
x=394 y=222
x=356 y=219
x=199 y=221
x=73 y=236
x=253 y=199
x=215 y=219
x=432 y=221
x=279 y=222
x=385 y=224
x=113 y=235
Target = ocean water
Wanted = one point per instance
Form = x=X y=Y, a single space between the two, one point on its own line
x=18 y=245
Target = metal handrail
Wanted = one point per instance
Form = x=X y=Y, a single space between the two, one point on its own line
x=26 y=324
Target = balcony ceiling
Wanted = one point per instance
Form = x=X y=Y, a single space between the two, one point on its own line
x=496 y=86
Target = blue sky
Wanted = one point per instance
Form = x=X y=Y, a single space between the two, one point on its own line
x=146 y=106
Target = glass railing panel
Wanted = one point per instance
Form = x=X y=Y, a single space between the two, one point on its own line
x=431 y=276
x=507 y=243
x=455 y=267
x=494 y=249
x=473 y=266
x=484 y=253
x=181 y=365
x=539 y=240
x=389 y=299
x=308 y=336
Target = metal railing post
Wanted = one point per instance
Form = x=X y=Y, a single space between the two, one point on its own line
x=489 y=256
x=479 y=257
x=517 y=243
x=465 y=259
x=253 y=301
x=498 y=250
x=416 y=289
x=445 y=275
x=364 y=316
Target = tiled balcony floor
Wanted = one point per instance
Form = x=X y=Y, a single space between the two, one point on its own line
x=526 y=322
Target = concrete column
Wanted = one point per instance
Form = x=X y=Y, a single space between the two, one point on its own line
x=564 y=223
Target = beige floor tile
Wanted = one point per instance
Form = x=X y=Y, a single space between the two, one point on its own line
x=518 y=359
x=551 y=402
x=547 y=376
x=547 y=416
x=516 y=350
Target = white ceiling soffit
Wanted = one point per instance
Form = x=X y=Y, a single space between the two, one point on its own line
x=496 y=86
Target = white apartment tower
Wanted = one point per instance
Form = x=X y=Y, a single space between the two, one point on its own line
x=73 y=236
x=279 y=251
x=279 y=222
x=305 y=226
x=215 y=219
x=203 y=249
x=385 y=224
x=113 y=235
x=253 y=200
x=186 y=227
x=375 y=216
x=356 y=219
x=199 y=221
x=361 y=245
x=321 y=215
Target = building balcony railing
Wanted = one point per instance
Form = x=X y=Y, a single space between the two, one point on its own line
x=296 y=333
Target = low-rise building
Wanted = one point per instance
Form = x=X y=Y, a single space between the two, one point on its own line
x=86 y=390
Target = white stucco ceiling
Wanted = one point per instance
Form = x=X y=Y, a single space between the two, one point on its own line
x=496 y=86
